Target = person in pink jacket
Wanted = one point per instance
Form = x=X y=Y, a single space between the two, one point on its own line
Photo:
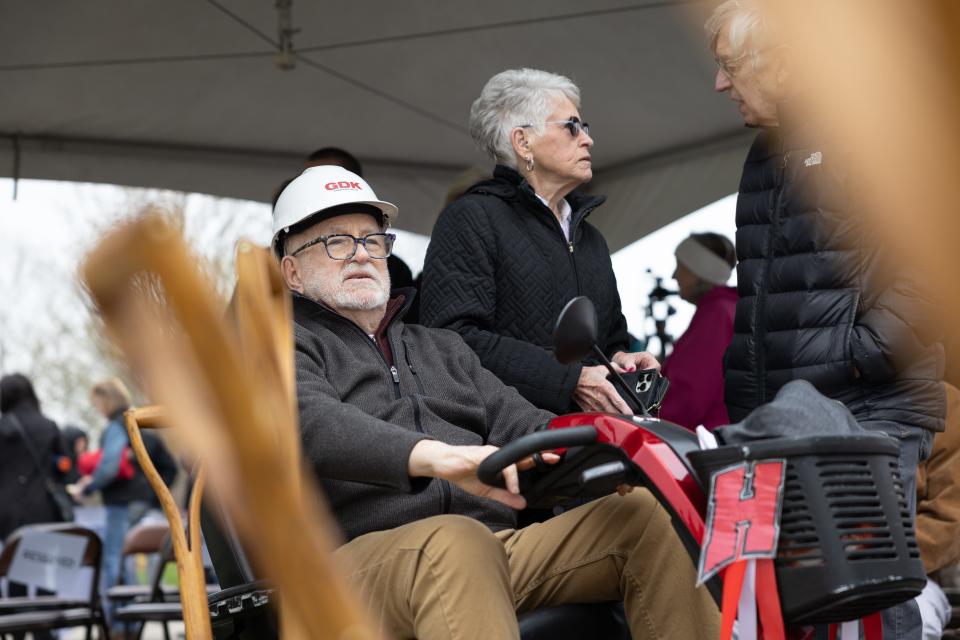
x=695 y=368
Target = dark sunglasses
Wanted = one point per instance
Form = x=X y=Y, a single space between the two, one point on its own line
x=573 y=125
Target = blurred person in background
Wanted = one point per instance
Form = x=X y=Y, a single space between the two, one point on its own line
x=507 y=256
x=334 y=156
x=146 y=507
x=121 y=494
x=819 y=299
x=705 y=262
x=75 y=443
x=166 y=466
x=24 y=498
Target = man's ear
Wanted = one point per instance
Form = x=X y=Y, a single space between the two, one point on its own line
x=290 y=269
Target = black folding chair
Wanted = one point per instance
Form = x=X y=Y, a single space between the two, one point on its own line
x=132 y=596
x=46 y=613
x=152 y=539
x=153 y=602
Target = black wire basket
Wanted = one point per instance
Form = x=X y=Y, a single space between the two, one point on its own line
x=847 y=545
x=243 y=612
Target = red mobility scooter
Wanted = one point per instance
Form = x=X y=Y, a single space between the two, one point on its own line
x=846 y=547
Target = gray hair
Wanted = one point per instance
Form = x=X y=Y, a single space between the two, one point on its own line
x=513 y=98
x=747 y=23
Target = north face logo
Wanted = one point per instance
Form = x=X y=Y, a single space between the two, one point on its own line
x=644 y=383
x=337 y=186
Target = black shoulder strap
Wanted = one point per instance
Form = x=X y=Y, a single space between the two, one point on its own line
x=26 y=442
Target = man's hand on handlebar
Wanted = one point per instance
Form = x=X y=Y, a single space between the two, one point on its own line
x=595 y=393
x=458 y=464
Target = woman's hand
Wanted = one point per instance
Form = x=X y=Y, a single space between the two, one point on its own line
x=76 y=490
x=636 y=360
x=595 y=393
x=458 y=464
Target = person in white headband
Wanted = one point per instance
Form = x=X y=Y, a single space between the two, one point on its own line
x=705 y=262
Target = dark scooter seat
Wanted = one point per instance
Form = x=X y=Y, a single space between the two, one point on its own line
x=571 y=621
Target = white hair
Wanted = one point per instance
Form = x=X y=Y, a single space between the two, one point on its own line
x=513 y=98
x=746 y=25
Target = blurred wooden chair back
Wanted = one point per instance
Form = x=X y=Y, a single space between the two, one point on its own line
x=186 y=540
x=229 y=388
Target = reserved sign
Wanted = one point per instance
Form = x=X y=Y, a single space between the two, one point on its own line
x=51 y=561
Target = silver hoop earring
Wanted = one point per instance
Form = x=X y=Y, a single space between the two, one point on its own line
x=529 y=163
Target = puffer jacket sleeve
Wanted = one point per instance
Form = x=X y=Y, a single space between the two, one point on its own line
x=897 y=325
x=342 y=442
x=459 y=293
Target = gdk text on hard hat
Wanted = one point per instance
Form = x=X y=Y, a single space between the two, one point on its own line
x=320 y=188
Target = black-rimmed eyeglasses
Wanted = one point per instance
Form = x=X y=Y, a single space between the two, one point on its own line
x=343 y=246
x=573 y=125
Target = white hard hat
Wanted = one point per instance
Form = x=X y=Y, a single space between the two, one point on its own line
x=320 y=188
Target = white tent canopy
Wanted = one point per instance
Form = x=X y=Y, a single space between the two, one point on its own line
x=185 y=94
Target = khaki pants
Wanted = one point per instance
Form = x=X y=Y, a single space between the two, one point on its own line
x=450 y=577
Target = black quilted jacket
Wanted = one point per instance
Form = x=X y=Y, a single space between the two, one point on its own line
x=816 y=303
x=498 y=271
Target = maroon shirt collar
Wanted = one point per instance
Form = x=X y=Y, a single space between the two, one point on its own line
x=380 y=335
x=395 y=307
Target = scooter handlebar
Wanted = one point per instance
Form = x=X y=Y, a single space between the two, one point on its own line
x=489 y=470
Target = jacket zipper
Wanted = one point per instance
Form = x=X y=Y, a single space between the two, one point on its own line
x=559 y=228
x=396 y=381
x=761 y=296
x=445 y=493
x=394 y=373
x=573 y=230
x=446 y=496
x=573 y=262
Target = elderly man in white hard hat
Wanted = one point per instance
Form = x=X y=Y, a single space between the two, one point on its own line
x=396 y=418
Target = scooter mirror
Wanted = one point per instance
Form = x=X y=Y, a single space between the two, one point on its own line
x=575 y=333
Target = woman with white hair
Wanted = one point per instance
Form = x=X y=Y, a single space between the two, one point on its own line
x=508 y=255
x=705 y=262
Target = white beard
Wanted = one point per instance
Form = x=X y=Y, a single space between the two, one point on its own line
x=336 y=295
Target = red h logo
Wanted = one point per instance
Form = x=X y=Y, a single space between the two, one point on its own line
x=743 y=517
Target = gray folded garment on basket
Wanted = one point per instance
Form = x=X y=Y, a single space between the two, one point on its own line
x=797 y=411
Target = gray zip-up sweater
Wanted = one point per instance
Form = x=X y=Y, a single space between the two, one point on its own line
x=361 y=415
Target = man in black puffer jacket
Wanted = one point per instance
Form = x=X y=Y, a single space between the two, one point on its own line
x=815 y=301
x=819 y=300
